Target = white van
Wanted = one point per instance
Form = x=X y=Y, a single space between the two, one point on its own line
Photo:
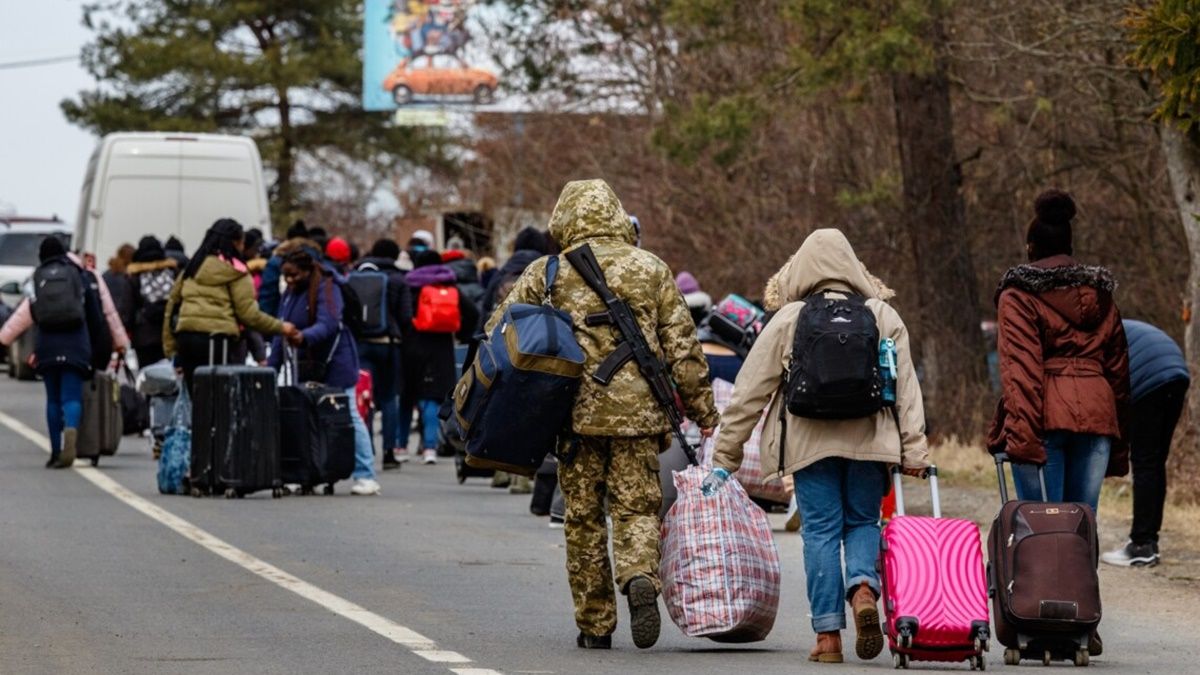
x=168 y=184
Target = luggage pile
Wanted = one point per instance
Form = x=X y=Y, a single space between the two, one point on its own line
x=720 y=568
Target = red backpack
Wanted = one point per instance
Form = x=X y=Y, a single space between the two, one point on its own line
x=437 y=310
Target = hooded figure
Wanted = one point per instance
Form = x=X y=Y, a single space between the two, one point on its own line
x=840 y=466
x=620 y=426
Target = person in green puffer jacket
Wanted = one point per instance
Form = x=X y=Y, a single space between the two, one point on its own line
x=210 y=302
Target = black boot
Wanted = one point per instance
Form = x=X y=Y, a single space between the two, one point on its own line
x=389 y=460
x=585 y=641
x=643 y=612
x=543 y=494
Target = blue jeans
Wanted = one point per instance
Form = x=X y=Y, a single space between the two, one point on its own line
x=430 y=424
x=1075 y=466
x=364 y=455
x=839 y=501
x=383 y=362
x=64 y=403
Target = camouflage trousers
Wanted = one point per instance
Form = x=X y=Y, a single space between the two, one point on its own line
x=625 y=470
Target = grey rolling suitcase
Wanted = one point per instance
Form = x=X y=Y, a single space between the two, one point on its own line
x=100 y=427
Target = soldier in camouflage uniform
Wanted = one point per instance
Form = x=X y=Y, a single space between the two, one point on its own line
x=620 y=427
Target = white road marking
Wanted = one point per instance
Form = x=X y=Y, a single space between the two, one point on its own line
x=405 y=637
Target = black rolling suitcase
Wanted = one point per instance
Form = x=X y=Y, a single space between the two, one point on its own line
x=235 y=431
x=1042 y=573
x=317 y=433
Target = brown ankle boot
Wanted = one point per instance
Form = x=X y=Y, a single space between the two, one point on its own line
x=869 y=643
x=828 y=649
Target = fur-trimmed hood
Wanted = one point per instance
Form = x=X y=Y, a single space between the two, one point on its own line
x=154 y=266
x=256 y=265
x=291 y=245
x=1082 y=294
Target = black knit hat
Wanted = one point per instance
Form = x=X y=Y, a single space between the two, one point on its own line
x=149 y=249
x=1049 y=232
x=52 y=247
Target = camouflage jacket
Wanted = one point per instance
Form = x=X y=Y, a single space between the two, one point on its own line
x=589 y=212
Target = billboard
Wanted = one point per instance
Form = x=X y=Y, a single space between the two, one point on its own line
x=416 y=56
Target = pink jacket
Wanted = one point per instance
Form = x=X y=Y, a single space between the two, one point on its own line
x=22 y=319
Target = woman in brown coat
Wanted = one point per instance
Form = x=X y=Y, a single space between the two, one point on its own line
x=1064 y=365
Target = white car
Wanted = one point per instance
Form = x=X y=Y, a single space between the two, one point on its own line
x=20 y=239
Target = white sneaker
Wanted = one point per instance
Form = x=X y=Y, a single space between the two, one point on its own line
x=556 y=523
x=1132 y=555
x=429 y=457
x=402 y=455
x=366 y=487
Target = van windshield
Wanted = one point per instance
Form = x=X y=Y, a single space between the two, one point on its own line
x=21 y=248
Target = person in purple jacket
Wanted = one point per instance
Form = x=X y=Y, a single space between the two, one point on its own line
x=313 y=303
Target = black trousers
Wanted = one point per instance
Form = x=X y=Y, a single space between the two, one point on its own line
x=193 y=350
x=1151 y=426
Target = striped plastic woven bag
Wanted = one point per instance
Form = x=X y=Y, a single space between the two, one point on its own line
x=720 y=567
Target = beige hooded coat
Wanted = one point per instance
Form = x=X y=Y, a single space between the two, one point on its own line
x=825 y=262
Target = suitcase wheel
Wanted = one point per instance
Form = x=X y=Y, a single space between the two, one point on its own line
x=276 y=493
x=978 y=662
x=196 y=492
x=1012 y=657
x=96 y=460
x=900 y=661
x=328 y=489
x=1081 y=658
x=230 y=493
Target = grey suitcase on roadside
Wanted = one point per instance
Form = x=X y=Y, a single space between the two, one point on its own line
x=101 y=425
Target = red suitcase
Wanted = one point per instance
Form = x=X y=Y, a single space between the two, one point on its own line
x=934 y=590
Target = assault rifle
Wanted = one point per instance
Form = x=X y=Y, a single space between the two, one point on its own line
x=631 y=345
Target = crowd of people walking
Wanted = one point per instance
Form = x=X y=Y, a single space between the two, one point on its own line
x=315 y=310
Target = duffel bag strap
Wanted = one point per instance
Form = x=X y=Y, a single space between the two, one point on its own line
x=551 y=275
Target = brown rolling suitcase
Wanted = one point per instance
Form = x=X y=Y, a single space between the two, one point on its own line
x=1043 y=581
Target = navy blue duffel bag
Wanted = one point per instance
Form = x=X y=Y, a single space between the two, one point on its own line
x=515 y=402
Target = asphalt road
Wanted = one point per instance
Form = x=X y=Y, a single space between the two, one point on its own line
x=90 y=584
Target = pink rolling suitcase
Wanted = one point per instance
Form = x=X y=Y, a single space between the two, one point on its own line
x=934 y=590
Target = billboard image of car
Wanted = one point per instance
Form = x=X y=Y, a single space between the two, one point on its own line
x=415 y=52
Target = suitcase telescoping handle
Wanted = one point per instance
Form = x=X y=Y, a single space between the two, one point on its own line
x=1001 y=458
x=930 y=473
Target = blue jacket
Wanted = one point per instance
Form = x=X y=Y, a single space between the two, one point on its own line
x=1154 y=359
x=320 y=334
x=268 y=289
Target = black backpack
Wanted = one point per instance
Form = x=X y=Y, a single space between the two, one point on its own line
x=352 y=311
x=370 y=288
x=834 y=370
x=58 y=296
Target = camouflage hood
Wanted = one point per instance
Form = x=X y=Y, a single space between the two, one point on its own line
x=589 y=210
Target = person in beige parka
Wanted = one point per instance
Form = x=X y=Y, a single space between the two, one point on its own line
x=841 y=467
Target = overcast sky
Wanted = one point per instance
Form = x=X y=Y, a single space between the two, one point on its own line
x=42 y=156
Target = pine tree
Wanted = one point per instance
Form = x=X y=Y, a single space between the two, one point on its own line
x=287 y=74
